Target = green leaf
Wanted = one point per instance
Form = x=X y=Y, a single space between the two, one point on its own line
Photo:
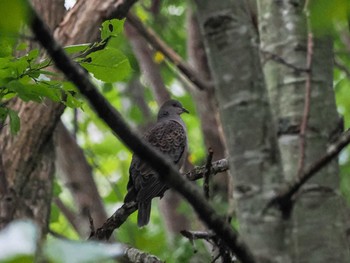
x=6 y=45
x=68 y=86
x=19 y=66
x=57 y=189
x=112 y=28
x=31 y=55
x=73 y=102
x=22 y=91
x=45 y=90
x=15 y=122
x=5 y=74
x=18 y=240
x=108 y=65
x=58 y=250
x=76 y=48
x=36 y=92
x=22 y=46
x=54 y=213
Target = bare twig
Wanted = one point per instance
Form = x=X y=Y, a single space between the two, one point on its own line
x=306 y=112
x=341 y=66
x=207 y=173
x=284 y=197
x=148 y=66
x=191 y=235
x=91 y=222
x=160 y=45
x=120 y=9
x=212 y=238
x=269 y=55
x=216 y=167
x=68 y=213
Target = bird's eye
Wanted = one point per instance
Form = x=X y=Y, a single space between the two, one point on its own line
x=174 y=105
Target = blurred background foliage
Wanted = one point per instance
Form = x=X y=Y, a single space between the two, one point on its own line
x=109 y=158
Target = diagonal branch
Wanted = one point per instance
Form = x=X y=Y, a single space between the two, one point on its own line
x=159 y=163
x=160 y=45
x=285 y=196
x=341 y=66
x=114 y=222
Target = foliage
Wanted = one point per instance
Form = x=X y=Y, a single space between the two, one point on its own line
x=25 y=76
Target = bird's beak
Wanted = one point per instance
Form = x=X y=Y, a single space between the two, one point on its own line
x=184 y=110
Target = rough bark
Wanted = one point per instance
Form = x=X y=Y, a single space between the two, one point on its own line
x=27 y=157
x=27 y=166
x=318 y=231
x=231 y=42
x=82 y=21
x=206 y=104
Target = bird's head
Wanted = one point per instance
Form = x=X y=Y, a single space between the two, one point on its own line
x=171 y=107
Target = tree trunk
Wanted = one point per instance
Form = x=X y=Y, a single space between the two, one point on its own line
x=317 y=218
x=248 y=126
x=205 y=102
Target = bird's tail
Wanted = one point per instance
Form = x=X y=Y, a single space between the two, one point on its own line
x=144 y=213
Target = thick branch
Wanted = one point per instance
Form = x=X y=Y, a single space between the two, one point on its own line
x=216 y=167
x=160 y=45
x=122 y=213
x=159 y=163
x=134 y=255
x=115 y=221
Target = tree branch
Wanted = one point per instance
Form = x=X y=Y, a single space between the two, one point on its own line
x=341 y=66
x=156 y=160
x=284 y=198
x=68 y=213
x=216 y=167
x=121 y=214
x=267 y=55
x=160 y=45
x=115 y=221
x=134 y=255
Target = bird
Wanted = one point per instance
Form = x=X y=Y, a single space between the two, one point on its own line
x=169 y=136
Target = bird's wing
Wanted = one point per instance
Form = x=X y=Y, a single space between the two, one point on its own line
x=169 y=137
